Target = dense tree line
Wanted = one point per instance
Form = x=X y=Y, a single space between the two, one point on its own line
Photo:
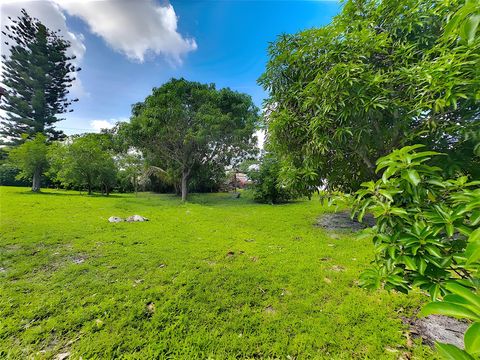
x=180 y=138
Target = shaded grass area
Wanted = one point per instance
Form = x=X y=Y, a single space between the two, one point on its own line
x=215 y=278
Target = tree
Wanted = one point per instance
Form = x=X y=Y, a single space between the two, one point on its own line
x=183 y=126
x=85 y=162
x=379 y=77
x=37 y=74
x=131 y=168
x=31 y=158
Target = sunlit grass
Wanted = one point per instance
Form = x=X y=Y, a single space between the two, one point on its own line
x=217 y=277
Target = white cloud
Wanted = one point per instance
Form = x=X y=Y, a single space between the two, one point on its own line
x=134 y=28
x=98 y=125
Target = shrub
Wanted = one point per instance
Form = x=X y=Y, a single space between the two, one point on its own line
x=268 y=187
x=427 y=235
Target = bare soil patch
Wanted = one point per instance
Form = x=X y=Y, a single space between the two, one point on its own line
x=341 y=221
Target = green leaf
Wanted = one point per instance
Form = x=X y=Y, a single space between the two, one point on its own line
x=451 y=352
x=448 y=309
x=411 y=176
x=472 y=253
x=464 y=292
x=422 y=266
x=472 y=338
x=409 y=262
x=470 y=28
x=475 y=218
x=474 y=236
x=450 y=229
x=434 y=251
x=434 y=291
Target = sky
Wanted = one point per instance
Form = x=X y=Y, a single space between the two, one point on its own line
x=127 y=47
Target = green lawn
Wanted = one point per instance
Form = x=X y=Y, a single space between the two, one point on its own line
x=171 y=287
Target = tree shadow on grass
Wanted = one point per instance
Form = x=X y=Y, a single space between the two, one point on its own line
x=84 y=194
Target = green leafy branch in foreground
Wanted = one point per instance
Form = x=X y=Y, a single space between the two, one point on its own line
x=427 y=235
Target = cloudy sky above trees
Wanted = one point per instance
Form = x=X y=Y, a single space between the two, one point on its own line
x=127 y=47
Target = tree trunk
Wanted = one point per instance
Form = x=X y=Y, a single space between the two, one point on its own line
x=235 y=180
x=89 y=189
x=37 y=177
x=184 y=185
x=366 y=161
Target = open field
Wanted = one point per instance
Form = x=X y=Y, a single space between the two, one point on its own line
x=214 y=278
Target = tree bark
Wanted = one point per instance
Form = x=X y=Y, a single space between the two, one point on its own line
x=366 y=161
x=184 y=185
x=37 y=177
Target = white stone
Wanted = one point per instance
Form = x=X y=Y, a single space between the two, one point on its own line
x=134 y=218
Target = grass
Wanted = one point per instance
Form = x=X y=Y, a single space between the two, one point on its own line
x=217 y=278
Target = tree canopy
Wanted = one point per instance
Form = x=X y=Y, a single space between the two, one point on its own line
x=31 y=159
x=84 y=162
x=184 y=126
x=37 y=73
x=379 y=77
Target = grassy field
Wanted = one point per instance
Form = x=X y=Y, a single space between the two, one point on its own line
x=215 y=278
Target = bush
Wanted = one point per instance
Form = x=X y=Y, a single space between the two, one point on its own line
x=268 y=187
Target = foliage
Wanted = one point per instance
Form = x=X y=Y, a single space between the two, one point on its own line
x=31 y=159
x=427 y=235
x=130 y=171
x=379 y=77
x=268 y=187
x=207 y=178
x=37 y=74
x=85 y=162
x=184 y=125
x=167 y=288
x=249 y=165
x=464 y=24
x=422 y=223
x=8 y=176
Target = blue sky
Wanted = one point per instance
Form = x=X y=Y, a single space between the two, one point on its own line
x=224 y=42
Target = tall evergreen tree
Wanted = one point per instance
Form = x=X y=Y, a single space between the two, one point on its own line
x=37 y=74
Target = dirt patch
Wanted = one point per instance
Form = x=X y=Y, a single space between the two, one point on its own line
x=150 y=308
x=342 y=221
x=270 y=310
x=438 y=328
x=79 y=260
x=337 y=268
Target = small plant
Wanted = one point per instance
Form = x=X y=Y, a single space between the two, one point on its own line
x=427 y=235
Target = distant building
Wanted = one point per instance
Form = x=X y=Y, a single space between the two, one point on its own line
x=242 y=180
x=237 y=181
